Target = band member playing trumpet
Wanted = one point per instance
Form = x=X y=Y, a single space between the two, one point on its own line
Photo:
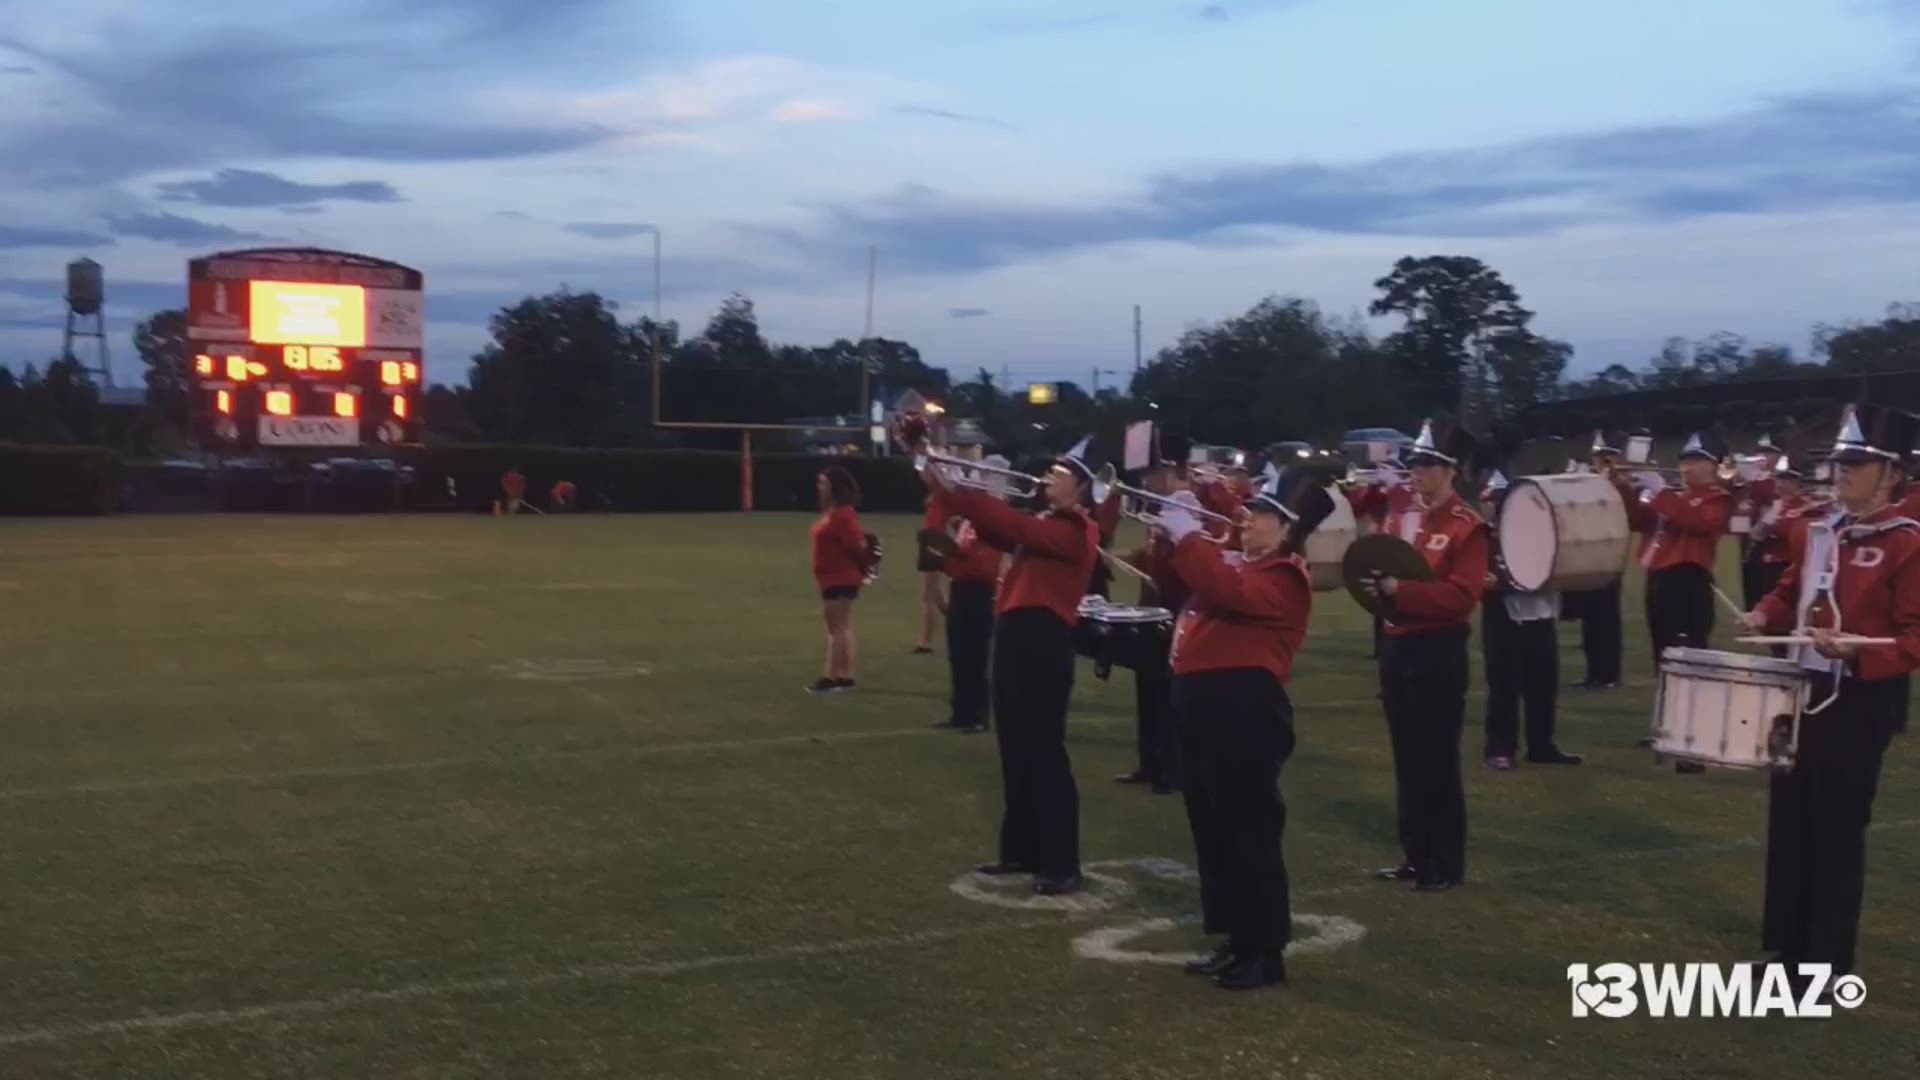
x=1423 y=664
x=1520 y=650
x=1233 y=653
x=1767 y=545
x=1682 y=530
x=1857 y=571
x=1153 y=688
x=1602 y=637
x=973 y=568
x=1033 y=662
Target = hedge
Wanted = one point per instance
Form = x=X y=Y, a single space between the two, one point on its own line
x=58 y=480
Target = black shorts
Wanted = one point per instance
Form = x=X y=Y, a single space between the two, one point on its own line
x=930 y=561
x=840 y=592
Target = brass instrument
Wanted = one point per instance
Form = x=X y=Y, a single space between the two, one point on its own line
x=999 y=481
x=1109 y=480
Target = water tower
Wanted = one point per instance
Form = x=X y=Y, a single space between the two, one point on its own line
x=86 y=317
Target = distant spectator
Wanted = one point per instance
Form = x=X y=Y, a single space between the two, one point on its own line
x=562 y=495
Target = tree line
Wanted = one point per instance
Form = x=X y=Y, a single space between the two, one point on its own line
x=564 y=369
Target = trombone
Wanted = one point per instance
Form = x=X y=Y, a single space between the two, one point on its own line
x=1109 y=480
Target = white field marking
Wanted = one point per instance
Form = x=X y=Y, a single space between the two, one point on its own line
x=1330 y=932
x=1106 y=893
x=155 y=1022
x=573 y=670
x=97 y=787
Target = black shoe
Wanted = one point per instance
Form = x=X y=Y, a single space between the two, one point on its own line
x=1214 y=962
x=1555 y=756
x=972 y=729
x=1688 y=767
x=1435 y=885
x=1002 y=869
x=823 y=686
x=1646 y=743
x=1057 y=884
x=1253 y=971
x=922 y=650
x=1137 y=776
x=1402 y=872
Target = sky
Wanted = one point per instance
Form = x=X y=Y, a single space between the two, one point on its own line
x=1025 y=172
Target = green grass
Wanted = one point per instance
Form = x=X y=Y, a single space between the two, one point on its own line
x=283 y=785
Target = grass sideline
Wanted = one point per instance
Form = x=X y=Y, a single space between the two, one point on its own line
x=412 y=796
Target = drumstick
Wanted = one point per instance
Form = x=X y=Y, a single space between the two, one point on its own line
x=1802 y=639
x=1738 y=615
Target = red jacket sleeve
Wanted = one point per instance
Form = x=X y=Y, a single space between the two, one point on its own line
x=1004 y=527
x=1285 y=597
x=1707 y=519
x=1455 y=595
x=1893 y=661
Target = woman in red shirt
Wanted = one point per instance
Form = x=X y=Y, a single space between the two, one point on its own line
x=1233 y=651
x=839 y=554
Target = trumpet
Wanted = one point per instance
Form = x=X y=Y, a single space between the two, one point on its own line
x=1379 y=474
x=1109 y=480
x=979 y=475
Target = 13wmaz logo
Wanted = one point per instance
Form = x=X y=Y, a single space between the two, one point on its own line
x=1743 y=991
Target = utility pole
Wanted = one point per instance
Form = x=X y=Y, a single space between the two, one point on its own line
x=1136 y=338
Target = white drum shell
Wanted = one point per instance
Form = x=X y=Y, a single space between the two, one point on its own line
x=1328 y=545
x=1119 y=613
x=1720 y=708
x=1563 y=532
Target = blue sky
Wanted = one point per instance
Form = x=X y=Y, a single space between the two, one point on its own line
x=1028 y=173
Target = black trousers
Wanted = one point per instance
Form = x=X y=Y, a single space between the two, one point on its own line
x=1817 y=817
x=1379 y=631
x=1523 y=670
x=1153 y=723
x=1236 y=731
x=969 y=644
x=1423 y=683
x=1680 y=606
x=1033 y=661
x=1757 y=579
x=1601 y=636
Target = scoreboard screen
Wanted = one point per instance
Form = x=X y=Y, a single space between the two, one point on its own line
x=303 y=347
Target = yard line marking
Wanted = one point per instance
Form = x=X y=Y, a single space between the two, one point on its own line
x=155 y=1022
x=100 y=787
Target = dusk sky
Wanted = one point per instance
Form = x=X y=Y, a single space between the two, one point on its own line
x=1028 y=172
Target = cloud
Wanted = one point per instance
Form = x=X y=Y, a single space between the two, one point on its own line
x=16 y=236
x=608 y=230
x=1213 y=12
x=247 y=187
x=810 y=111
x=16 y=69
x=172 y=228
x=967 y=312
x=1120 y=14
x=514 y=215
x=956 y=117
x=1797 y=154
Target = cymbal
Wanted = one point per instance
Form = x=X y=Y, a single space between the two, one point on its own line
x=1380 y=555
x=938 y=541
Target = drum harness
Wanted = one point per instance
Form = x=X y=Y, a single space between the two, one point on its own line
x=1824 y=541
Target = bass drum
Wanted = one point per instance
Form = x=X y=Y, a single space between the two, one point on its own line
x=1327 y=547
x=1564 y=532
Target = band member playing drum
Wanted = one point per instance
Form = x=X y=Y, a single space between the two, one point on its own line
x=1858 y=572
x=1033 y=661
x=974 y=570
x=1602 y=637
x=1233 y=652
x=839 y=548
x=1153 y=688
x=1520 y=650
x=1423 y=665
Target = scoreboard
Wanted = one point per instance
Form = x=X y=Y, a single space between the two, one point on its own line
x=301 y=347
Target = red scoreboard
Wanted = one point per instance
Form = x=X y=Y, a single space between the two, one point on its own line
x=295 y=347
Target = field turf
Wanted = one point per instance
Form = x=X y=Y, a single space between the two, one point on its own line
x=542 y=797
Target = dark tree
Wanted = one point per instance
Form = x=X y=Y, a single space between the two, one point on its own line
x=1453 y=307
x=161 y=341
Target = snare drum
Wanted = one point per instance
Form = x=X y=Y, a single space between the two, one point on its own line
x=1115 y=635
x=1563 y=532
x=1732 y=710
x=1327 y=545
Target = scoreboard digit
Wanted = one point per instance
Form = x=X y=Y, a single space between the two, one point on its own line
x=300 y=347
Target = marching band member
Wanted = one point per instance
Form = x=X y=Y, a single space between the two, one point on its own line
x=839 y=547
x=1857 y=571
x=933 y=602
x=1768 y=553
x=1520 y=650
x=1423 y=662
x=1375 y=503
x=1682 y=531
x=1232 y=656
x=1033 y=661
x=1154 y=733
x=973 y=572
x=1602 y=638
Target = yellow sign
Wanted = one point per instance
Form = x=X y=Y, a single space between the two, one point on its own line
x=305 y=313
x=1041 y=393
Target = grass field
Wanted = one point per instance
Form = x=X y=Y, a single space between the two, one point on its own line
x=437 y=797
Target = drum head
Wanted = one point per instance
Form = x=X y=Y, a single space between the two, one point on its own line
x=1529 y=536
x=1120 y=614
